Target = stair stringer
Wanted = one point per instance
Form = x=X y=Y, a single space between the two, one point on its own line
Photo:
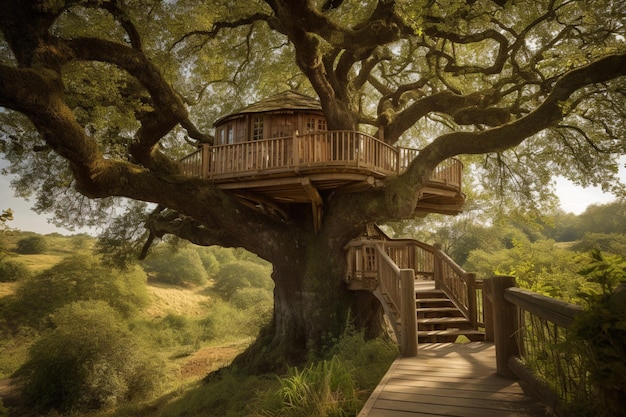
x=393 y=315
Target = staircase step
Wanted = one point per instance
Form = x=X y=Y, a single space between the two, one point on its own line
x=429 y=294
x=449 y=332
x=442 y=320
x=432 y=300
x=437 y=310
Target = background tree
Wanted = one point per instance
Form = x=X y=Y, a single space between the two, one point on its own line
x=102 y=97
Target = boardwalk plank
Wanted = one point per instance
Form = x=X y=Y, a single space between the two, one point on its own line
x=454 y=380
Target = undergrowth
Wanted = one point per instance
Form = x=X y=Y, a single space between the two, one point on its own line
x=335 y=386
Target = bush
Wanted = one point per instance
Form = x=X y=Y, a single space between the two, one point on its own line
x=81 y=277
x=600 y=333
x=4 y=412
x=11 y=271
x=90 y=360
x=179 y=268
x=32 y=245
x=238 y=275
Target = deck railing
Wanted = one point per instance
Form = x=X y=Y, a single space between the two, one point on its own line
x=309 y=151
x=529 y=331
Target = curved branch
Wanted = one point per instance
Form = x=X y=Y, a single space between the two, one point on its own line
x=490 y=34
x=169 y=108
x=544 y=116
x=218 y=26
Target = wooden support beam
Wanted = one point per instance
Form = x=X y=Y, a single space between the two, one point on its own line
x=316 y=202
x=261 y=203
x=409 y=318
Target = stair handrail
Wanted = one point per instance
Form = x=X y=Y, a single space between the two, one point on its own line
x=460 y=286
x=399 y=287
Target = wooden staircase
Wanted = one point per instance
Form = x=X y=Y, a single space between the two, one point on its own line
x=426 y=296
x=438 y=319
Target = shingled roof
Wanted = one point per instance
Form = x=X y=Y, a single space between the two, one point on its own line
x=287 y=100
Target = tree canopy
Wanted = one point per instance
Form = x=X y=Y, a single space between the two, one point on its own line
x=102 y=97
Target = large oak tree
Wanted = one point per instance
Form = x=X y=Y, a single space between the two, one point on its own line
x=102 y=96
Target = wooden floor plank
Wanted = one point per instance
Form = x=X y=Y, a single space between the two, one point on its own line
x=454 y=380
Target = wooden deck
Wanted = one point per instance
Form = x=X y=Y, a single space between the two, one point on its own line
x=272 y=173
x=450 y=380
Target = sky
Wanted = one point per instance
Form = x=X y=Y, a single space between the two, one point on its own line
x=573 y=199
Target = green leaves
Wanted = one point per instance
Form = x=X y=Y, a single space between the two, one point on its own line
x=603 y=269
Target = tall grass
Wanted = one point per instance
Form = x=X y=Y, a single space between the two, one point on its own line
x=326 y=388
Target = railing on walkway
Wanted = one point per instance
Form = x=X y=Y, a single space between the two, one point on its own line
x=529 y=331
x=366 y=272
x=346 y=149
x=397 y=292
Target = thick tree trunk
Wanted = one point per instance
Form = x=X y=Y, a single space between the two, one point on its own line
x=312 y=307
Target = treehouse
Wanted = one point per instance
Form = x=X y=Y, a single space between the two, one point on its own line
x=277 y=153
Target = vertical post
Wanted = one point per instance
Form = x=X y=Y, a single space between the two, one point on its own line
x=488 y=309
x=470 y=281
x=295 y=149
x=206 y=161
x=437 y=267
x=408 y=313
x=504 y=325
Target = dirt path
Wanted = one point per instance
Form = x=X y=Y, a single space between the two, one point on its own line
x=199 y=364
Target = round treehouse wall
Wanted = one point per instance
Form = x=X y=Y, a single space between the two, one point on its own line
x=279 y=116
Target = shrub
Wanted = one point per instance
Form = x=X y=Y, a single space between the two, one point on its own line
x=90 y=360
x=209 y=261
x=32 y=245
x=179 y=268
x=11 y=271
x=81 y=277
x=600 y=333
x=4 y=412
x=237 y=275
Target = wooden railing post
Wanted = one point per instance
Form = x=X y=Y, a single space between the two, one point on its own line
x=505 y=325
x=295 y=149
x=408 y=314
x=488 y=309
x=437 y=266
x=205 y=166
x=470 y=280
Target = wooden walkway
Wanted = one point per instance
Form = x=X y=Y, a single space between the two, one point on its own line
x=448 y=379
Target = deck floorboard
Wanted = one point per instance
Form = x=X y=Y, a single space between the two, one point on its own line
x=454 y=380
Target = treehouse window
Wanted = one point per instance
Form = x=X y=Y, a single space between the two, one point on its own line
x=314 y=124
x=257 y=128
x=229 y=133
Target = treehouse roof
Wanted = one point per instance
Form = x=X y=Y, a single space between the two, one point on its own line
x=286 y=101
